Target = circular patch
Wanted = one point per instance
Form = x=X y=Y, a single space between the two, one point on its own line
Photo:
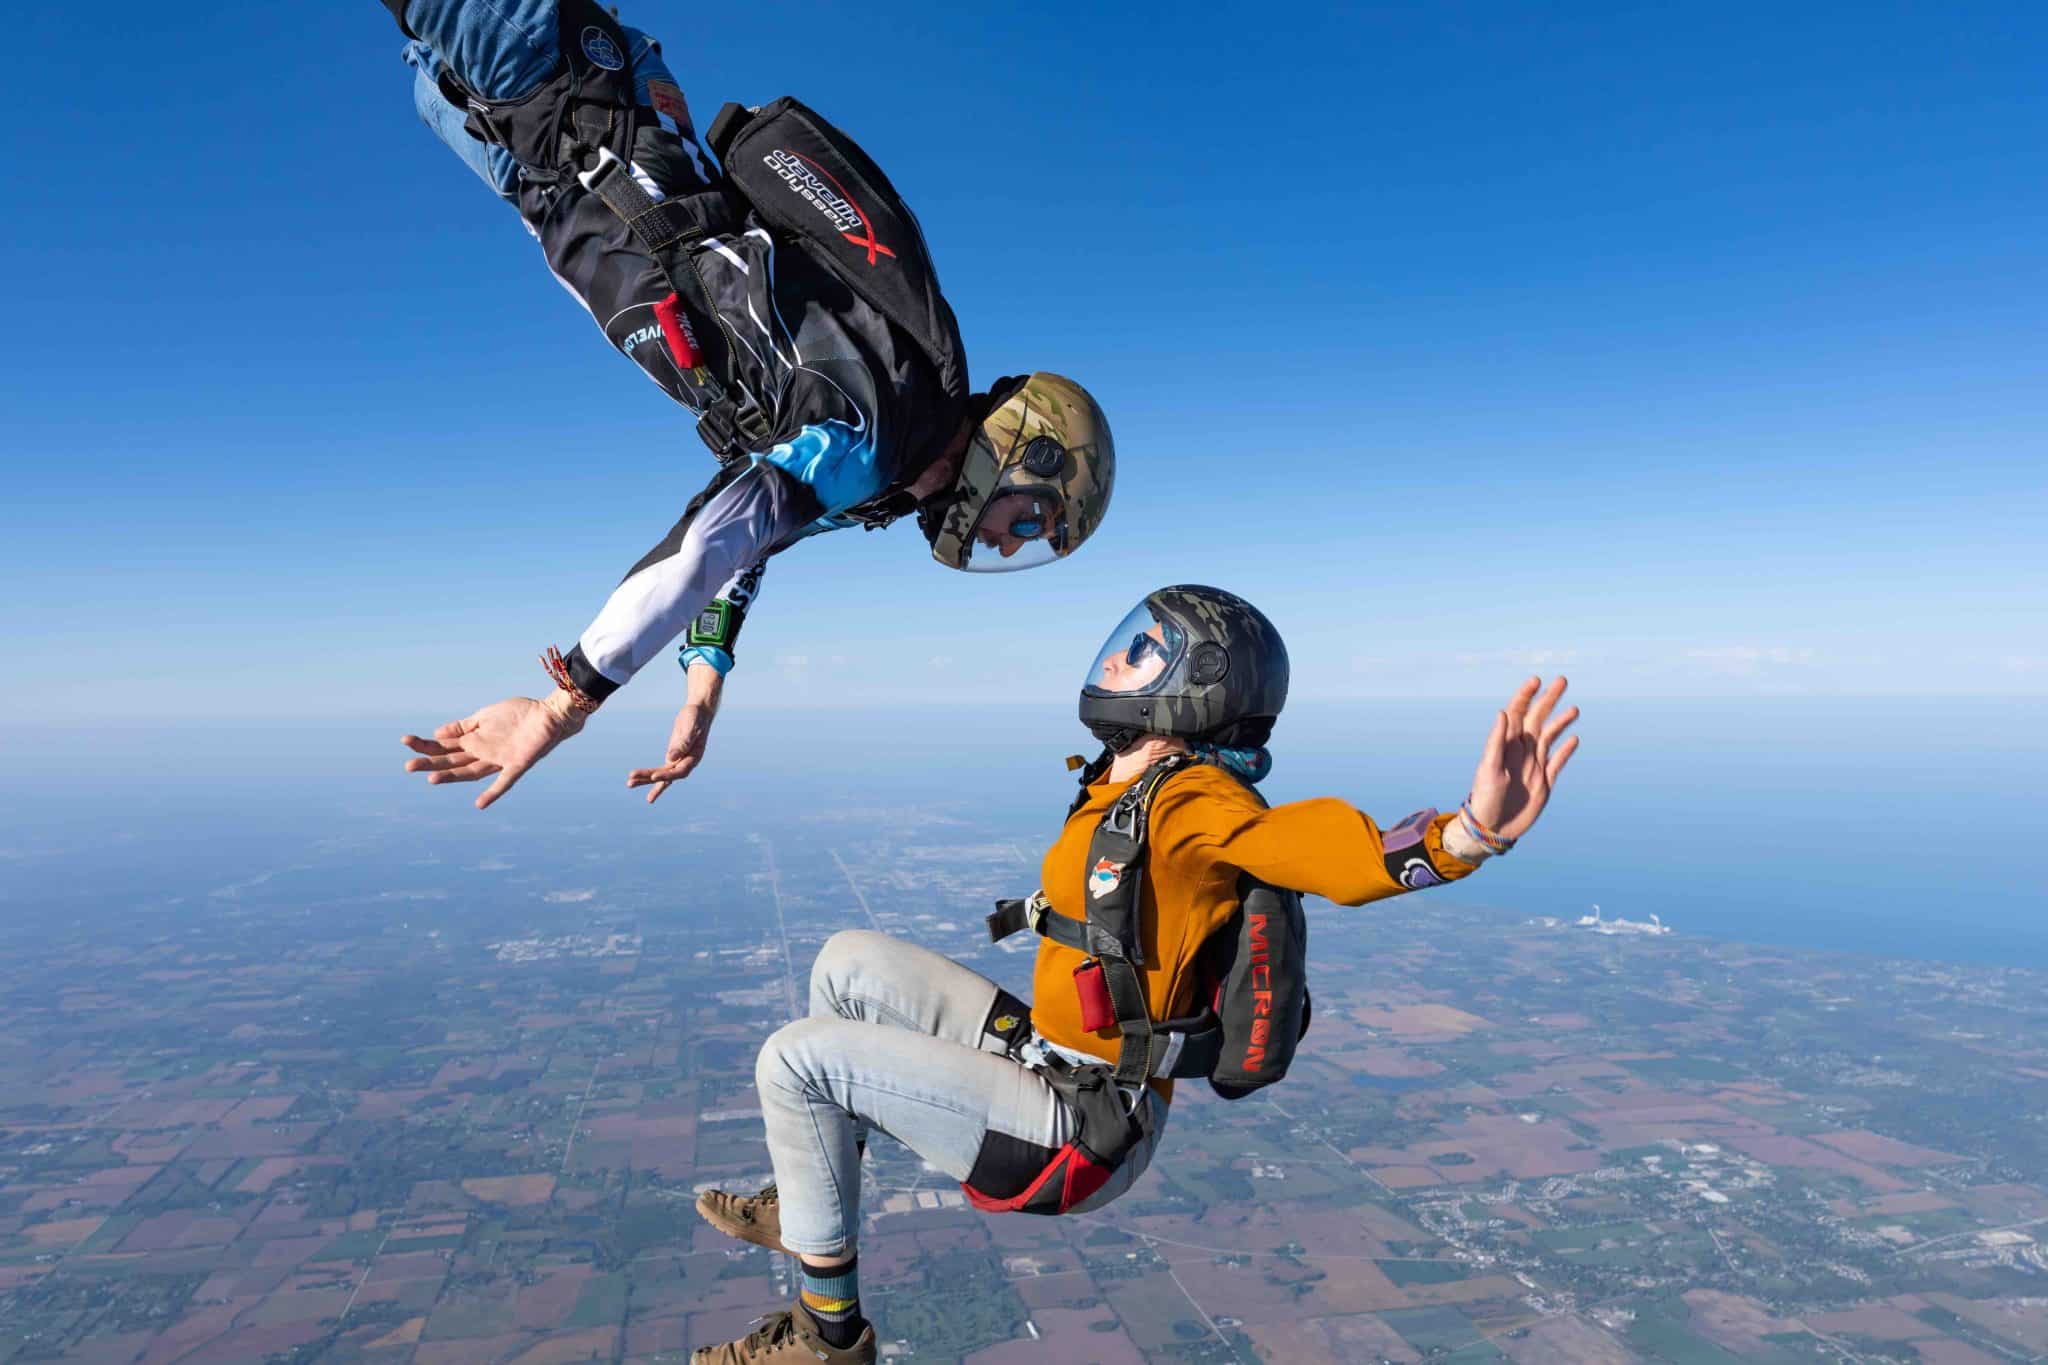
x=1043 y=457
x=598 y=46
x=1208 y=663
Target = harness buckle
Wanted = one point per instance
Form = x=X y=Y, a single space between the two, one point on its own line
x=1123 y=817
x=607 y=162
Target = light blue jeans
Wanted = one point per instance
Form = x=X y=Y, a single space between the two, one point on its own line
x=501 y=49
x=895 y=1043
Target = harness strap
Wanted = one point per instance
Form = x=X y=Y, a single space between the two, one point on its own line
x=1108 y=1127
x=1035 y=913
x=730 y=421
x=1133 y=1019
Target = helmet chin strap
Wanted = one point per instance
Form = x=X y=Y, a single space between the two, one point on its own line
x=932 y=509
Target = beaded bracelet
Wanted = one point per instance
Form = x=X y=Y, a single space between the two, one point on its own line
x=558 y=669
x=1497 y=844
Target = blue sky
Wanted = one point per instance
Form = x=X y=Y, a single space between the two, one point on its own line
x=1698 y=351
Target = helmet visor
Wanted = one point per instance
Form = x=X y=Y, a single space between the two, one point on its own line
x=1021 y=528
x=1137 y=656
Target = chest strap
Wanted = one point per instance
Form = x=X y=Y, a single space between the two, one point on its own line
x=1112 y=939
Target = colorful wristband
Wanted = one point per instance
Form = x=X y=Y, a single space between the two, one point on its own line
x=1496 y=843
x=558 y=669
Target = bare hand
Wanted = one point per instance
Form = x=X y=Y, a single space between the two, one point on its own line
x=687 y=737
x=1522 y=759
x=505 y=738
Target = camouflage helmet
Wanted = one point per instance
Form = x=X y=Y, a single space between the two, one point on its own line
x=1034 y=482
x=1193 y=662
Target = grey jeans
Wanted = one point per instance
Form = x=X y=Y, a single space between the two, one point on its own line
x=895 y=1044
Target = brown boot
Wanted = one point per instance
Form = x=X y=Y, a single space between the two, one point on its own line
x=755 y=1218
x=790 y=1337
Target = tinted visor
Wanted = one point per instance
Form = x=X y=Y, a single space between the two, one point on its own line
x=1021 y=527
x=1138 y=654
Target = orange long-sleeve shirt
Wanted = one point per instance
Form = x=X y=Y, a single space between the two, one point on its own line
x=1206 y=828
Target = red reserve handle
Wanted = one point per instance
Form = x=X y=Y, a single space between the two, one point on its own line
x=675 y=329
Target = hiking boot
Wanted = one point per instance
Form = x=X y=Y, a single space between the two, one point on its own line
x=790 y=1337
x=755 y=1218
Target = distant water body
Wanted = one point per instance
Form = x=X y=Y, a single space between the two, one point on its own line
x=1908 y=828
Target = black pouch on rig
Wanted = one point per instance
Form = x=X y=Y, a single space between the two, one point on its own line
x=1260 y=965
x=806 y=179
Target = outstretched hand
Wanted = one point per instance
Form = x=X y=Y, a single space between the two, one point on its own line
x=505 y=738
x=1523 y=759
x=687 y=737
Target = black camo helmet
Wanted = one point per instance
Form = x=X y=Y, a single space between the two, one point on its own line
x=1197 y=663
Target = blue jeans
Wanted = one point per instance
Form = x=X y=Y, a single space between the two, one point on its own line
x=894 y=1043
x=503 y=49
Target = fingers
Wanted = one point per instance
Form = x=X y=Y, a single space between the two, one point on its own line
x=1518 y=706
x=469 y=773
x=1552 y=731
x=1539 y=715
x=669 y=772
x=1495 y=756
x=442 y=762
x=1560 y=758
x=456 y=729
x=507 y=779
x=654 y=793
x=425 y=746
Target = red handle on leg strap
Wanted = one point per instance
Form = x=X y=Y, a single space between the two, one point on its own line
x=1070 y=1177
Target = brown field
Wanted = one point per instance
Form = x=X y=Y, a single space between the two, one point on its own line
x=511 y=1189
x=1535 y=1080
x=114 y=1349
x=596 y=1343
x=1873 y=1320
x=387 y=1104
x=1737 y=1323
x=2024 y=1321
x=1337 y=1340
x=1919 y=1201
x=468 y=1350
x=1465 y=1291
x=1064 y=1334
x=262 y=1110
x=68 y=1233
x=2001 y=1203
x=1419 y=1020
x=1392 y=1061
x=407 y=1333
x=1062 y=1289
x=1405 y=1177
x=542 y=1306
x=1353 y=1287
x=651 y=1336
x=410 y=1265
x=1947 y=1351
x=1565 y=1341
x=1503 y=1144
x=1791 y=1151
x=1885 y=1151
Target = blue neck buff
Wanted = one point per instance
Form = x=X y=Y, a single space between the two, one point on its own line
x=1249 y=765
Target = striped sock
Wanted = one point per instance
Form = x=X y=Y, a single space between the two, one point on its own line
x=833 y=1298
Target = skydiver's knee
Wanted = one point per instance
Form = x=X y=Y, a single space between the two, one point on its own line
x=847 y=956
x=788 y=1060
